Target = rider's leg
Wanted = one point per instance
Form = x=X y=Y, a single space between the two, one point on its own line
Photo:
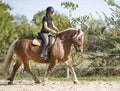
x=44 y=45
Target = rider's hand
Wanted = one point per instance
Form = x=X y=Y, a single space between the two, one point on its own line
x=54 y=31
x=57 y=31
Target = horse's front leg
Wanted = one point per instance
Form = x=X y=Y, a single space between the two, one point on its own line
x=74 y=77
x=48 y=72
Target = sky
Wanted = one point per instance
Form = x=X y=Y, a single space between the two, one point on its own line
x=30 y=7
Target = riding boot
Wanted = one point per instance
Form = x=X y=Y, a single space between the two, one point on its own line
x=43 y=52
x=44 y=45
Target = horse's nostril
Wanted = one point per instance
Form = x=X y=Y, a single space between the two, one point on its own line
x=81 y=50
x=78 y=50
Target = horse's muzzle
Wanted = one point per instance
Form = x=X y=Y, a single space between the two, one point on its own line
x=78 y=49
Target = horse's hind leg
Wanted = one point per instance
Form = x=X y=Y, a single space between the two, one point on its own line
x=14 y=70
x=27 y=69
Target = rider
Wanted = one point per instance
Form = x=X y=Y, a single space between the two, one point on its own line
x=47 y=27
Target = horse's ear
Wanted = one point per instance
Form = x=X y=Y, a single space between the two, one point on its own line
x=79 y=30
x=75 y=36
x=79 y=33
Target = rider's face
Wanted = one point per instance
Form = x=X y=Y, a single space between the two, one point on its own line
x=50 y=14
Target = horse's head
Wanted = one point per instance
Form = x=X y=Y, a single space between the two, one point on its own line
x=77 y=40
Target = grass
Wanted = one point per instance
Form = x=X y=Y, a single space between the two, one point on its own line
x=99 y=78
x=20 y=76
x=91 y=78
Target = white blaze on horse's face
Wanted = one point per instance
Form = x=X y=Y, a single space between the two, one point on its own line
x=78 y=40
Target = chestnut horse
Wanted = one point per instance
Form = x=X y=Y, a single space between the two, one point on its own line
x=59 y=52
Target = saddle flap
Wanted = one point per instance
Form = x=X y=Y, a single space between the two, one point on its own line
x=51 y=40
x=36 y=42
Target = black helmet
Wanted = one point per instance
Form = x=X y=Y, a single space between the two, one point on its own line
x=50 y=9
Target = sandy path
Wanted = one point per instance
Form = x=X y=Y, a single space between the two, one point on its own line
x=60 y=86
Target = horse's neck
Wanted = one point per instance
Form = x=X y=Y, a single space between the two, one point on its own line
x=66 y=34
x=61 y=48
x=67 y=45
x=66 y=38
x=64 y=42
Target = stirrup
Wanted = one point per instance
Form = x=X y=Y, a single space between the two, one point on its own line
x=43 y=57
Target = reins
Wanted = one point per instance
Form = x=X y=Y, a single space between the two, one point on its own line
x=56 y=35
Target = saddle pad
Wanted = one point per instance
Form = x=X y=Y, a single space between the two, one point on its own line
x=36 y=42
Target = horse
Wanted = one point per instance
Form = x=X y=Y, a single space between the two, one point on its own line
x=59 y=53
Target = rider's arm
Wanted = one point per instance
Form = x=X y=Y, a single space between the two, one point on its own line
x=54 y=27
x=47 y=28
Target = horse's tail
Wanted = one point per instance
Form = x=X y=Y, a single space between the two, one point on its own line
x=9 y=56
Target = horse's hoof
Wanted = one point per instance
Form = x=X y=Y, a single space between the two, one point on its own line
x=10 y=83
x=37 y=82
x=45 y=82
x=75 y=82
x=8 y=78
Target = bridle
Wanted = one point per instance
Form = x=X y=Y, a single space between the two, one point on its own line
x=75 y=39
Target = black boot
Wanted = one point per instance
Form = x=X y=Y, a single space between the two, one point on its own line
x=44 y=37
x=43 y=52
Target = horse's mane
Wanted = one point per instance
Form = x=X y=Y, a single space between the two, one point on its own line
x=68 y=30
x=28 y=37
x=64 y=34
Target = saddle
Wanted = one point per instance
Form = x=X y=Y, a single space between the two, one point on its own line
x=38 y=41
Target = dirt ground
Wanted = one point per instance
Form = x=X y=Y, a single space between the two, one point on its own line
x=60 y=86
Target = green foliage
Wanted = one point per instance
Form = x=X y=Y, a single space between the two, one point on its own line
x=22 y=27
x=61 y=21
x=115 y=17
x=101 y=35
x=71 y=7
x=37 y=19
x=5 y=25
x=113 y=25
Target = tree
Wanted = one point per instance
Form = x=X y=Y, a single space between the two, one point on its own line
x=60 y=20
x=113 y=24
x=22 y=27
x=37 y=19
x=6 y=33
x=70 y=7
x=115 y=16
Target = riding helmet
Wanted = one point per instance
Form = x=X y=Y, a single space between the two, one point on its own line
x=50 y=9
